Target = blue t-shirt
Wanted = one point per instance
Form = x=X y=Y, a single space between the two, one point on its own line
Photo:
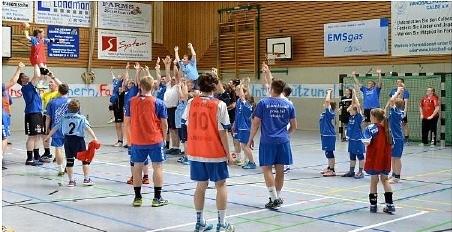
x=34 y=40
x=189 y=69
x=33 y=102
x=243 y=112
x=5 y=118
x=179 y=111
x=275 y=114
x=326 y=122
x=406 y=94
x=56 y=109
x=132 y=92
x=369 y=132
x=116 y=84
x=354 y=131
x=395 y=122
x=73 y=124
x=371 y=97
x=161 y=91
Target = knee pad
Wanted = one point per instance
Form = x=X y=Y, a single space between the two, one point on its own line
x=329 y=154
x=85 y=162
x=352 y=157
x=360 y=156
x=110 y=108
x=70 y=162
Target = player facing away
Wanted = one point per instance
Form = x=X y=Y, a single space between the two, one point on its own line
x=73 y=126
x=208 y=149
x=377 y=137
x=148 y=126
x=273 y=114
x=355 y=134
x=328 y=133
x=396 y=116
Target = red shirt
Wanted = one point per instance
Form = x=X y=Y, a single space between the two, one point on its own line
x=38 y=53
x=428 y=105
x=145 y=124
x=378 y=154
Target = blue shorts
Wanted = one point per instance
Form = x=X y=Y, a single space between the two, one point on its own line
x=356 y=147
x=5 y=132
x=397 y=149
x=140 y=155
x=72 y=145
x=57 y=142
x=328 y=142
x=271 y=154
x=243 y=136
x=204 y=171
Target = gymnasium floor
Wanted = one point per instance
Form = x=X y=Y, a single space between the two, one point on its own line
x=33 y=199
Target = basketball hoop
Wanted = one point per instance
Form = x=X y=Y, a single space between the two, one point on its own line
x=271 y=58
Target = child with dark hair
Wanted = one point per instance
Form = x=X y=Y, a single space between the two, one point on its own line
x=328 y=133
x=345 y=102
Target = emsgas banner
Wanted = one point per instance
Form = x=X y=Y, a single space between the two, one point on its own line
x=75 y=90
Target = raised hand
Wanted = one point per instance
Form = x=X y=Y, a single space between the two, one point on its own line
x=21 y=65
x=127 y=65
x=176 y=48
x=378 y=71
x=190 y=46
x=158 y=60
x=146 y=68
x=137 y=65
x=167 y=60
x=354 y=73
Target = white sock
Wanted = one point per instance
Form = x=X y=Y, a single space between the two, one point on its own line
x=221 y=215
x=272 y=192
x=182 y=147
x=200 y=216
x=278 y=194
x=238 y=156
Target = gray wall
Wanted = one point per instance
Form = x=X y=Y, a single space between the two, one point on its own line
x=308 y=109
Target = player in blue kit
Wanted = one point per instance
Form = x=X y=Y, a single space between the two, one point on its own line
x=395 y=118
x=55 y=110
x=73 y=126
x=405 y=97
x=273 y=114
x=355 y=136
x=371 y=94
x=328 y=133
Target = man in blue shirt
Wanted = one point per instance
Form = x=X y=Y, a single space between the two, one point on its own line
x=188 y=65
x=406 y=96
x=371 y=94
x=273 y=114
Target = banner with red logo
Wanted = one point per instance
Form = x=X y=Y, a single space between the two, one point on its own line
x=124 y=45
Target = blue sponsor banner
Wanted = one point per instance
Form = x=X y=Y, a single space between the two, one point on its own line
x=369 y=37
x=64 y=13
x=70 y=48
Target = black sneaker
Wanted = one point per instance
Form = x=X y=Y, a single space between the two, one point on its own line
x=274 y=204
x=44 y=71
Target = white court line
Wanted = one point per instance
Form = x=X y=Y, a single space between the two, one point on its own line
x=236 y=215
x=390 y=221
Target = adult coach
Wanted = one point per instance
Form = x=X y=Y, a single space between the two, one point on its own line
x=406 y=96
x=188 y=64
x=148 y=126
x=371 y=94
x=273 y=114
x=207 y=123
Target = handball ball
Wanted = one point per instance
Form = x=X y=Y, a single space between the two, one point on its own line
x=25 y=25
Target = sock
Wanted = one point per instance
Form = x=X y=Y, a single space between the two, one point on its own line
x=46 y=151
x=137 y=192
x=352 y=169
x=388 y=198
x=36 y=155
x=182 y=147
x=86 y=177
x=157 y=192
x=145 y=176
x=60 y=168
x=272 y=192
x=200 y=217
x=406 y=138
x=119 y=141
x=221 y=214
x=167 y=145
x=373 y=197
x=397 y=176
x=29 y=155
x=332 y=169
x=361 y=170
x=278 y=194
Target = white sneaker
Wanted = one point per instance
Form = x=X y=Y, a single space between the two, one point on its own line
x=118 y=144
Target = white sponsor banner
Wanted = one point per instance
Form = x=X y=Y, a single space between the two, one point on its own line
x=421 y=28
x=300 y=90
x=75 y=90
x=17 y=11
x=126 y=16
x=369 y=37
x=63 y=13
x=124 y=45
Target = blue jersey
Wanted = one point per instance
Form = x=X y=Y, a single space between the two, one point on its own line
x=275 y=114
x=33 y=102
x=161 y=91
x=73 y=124
x=56 y=109
x=406 y=94
x=116 y=85
x=371 y=97
x=132 y=92
x=5 y=118
x=243 y=112
x=326 y=122
x=395 y=122
x=189 y=69
x=179 y=111
x=354 y=131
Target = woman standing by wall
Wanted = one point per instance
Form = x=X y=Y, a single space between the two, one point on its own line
x=429 y=112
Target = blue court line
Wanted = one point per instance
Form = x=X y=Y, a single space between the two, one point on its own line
x=79 y=210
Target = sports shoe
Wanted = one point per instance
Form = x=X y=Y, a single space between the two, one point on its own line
x=349 y=174
x=225 y=227
x=111 y=120
x=274 y=204
x=390 y=209
x=130 y=180
x=330 y=173
x=406 y=144
x=33 y=162
x=44 y=71
x=240 y=162
x=159 y=202
x=126 y=146
x=422 y=145
x=432 y=144
x=186 y=161
x=325 y=170
x=39 y=85
x=249 y=165
x=137 y=202
x=203 y=227
x=173 y=151
x=88 y=182
x=394 y=180
x=4 y=168
x=118 y=144
x=45 y=159
x=145 y=180
x=373 y=208
x=286 y=169
x=71 y=183
x=359 y=175
x=61 y=172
